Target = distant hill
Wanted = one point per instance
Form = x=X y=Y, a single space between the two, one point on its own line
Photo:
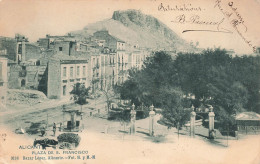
x=134 y=27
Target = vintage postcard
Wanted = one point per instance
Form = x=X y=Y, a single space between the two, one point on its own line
x=129 y=82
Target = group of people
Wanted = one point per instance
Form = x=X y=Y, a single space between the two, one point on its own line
x=43 y=130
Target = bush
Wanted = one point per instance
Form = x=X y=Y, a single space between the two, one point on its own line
x=119 y=115
x=141 y=115
x=70 y=138
x=34 y=128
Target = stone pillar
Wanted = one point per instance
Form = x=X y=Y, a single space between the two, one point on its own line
x=23 y=51
x=133 y=117
x=151 y=121
x=192 y=122
x=211 y=120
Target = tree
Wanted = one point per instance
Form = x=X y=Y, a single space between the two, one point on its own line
x=230 y=84
x=80 y=94
x=146 y=84
x=174 y=111
x=109 y=95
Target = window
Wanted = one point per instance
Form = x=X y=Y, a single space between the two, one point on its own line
x=60 y=48
x=97 y=63
x=84 y=70
x=78 y=71
x=20 y=49
x=23 y=83
x=64 y=90
x=64 y=72
x=71 y=71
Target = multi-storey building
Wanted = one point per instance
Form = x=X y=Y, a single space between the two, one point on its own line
x=108 y=69
x=95 y=74
x=124 y=58
x=106 y=58
x=3 y=77
x=64 y=72
x=137 y=58
x=19 y=49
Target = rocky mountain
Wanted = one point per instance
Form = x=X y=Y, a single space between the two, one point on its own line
x=134 y=27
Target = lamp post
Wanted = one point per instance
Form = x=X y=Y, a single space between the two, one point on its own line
x=151 y=120
x=133 y=117
x=211 y=123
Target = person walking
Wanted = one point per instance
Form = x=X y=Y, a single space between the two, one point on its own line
x=43 y=131
x=54 y=129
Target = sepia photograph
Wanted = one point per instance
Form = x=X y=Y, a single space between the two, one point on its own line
x=130 y=82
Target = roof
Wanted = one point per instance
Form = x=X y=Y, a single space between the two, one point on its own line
x=62 y=57
x=248 y=116
x=119 y=40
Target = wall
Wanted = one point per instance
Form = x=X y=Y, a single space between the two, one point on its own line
x=44 y=43
x=32 y=75
x=3 y=80
x=14 y=77
x=32 y=52
x=10 y=45
x=120 y=45
x=43 y=79
x=65 y=47
x=70 y=81
x=53 y=84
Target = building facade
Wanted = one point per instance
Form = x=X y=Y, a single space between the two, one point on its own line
x=63 y=73
x=3 y=77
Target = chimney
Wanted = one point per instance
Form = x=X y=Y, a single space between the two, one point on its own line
x=23 y=50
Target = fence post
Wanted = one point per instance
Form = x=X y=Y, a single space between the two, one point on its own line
x=211 y=122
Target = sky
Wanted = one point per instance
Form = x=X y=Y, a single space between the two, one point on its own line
x=36 y=18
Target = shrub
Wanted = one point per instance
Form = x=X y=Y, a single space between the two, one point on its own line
x=70 y=138
x=119 y=115
x=141 y=114
x=34 y=128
